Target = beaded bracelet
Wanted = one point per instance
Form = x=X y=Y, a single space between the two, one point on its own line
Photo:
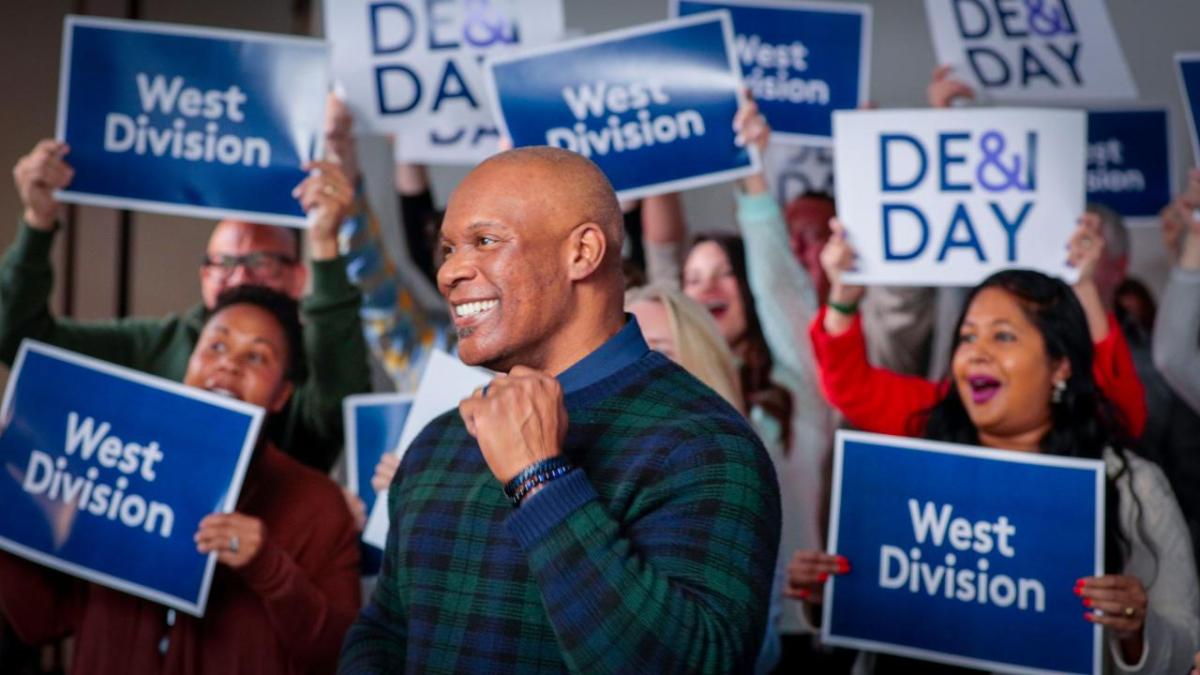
x=537 y=479
x=538 y=470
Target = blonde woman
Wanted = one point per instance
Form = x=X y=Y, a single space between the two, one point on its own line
x=684 y=331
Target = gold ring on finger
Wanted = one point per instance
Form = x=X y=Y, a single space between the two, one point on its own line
x=1129 y=612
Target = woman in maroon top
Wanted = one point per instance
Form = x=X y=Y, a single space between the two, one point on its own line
x=287 y=587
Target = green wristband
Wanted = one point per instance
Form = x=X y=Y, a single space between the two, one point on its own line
x=840 y=308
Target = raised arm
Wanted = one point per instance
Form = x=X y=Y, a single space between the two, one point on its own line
x=1177 y=327
x=335 y=352
x=871 y=399
x=1112 y=364
x=774 y=274
x=663 y=233
x=27 y=277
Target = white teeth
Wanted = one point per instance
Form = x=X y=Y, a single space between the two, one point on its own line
x=222 y=392
x=473 y=308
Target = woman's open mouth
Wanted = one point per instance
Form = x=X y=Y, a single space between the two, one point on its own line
x=983 y=388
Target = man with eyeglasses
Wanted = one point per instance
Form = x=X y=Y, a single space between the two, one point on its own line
x=310 y=428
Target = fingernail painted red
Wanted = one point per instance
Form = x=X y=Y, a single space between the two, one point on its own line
x=824 y=577
x=1087 y=602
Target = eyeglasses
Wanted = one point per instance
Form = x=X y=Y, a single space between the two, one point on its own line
x=260 y=264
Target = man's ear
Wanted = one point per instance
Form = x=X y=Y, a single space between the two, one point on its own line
x=586 y=248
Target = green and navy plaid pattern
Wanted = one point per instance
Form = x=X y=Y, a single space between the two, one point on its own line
x=655 y=556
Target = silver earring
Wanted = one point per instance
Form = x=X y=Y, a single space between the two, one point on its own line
x=1056 y=394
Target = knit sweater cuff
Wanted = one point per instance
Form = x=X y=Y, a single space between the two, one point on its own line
x=33 y=243
x=330 y=285
x=1185 y=276
x=754 y=209
x=549 y=506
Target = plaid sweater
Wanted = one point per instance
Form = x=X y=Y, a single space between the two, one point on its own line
x=655 y=556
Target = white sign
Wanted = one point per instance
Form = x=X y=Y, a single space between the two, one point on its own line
x=1032 y=50
x=413 y=68
x=445 y=383
x=946 y=197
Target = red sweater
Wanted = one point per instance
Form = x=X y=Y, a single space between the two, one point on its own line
x=881 y=401
x=285 y=612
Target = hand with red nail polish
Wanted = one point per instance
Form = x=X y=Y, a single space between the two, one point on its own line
x=1118 y=602
x=807 y=573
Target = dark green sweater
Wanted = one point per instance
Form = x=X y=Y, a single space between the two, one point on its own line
x=309 y=429
x=656 y=555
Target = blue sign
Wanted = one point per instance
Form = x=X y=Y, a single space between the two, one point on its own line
x=964 y=555
x=1129 y=161
x=108 y=473
x=653 y=106
x=196 y=122
x=373 y=423
x=801 y=60
x=1189 y=83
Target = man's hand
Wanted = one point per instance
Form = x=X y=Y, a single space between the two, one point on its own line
x=943 y=90
x=236 y=538
x=37 y=176
x=837 y=257
x=385 y=471
x=1085 y=248
x=752 y=130
x=518 y=419
x=327 y=197
x=339 y=137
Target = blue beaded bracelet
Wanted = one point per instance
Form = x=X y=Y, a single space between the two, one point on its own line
x=534 y=475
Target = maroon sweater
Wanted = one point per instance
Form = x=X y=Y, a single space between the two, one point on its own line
x=284 y=612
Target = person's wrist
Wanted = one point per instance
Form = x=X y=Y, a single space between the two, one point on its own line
x=842 y=294
x=38 y=221
x=845 y=308
x=534 y=477
x=322 y=247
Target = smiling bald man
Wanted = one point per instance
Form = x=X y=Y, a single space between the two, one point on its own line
x=595 y=508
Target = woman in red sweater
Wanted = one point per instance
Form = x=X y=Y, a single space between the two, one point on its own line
x=1022 y=380
x=880 y=401
x=287 y=587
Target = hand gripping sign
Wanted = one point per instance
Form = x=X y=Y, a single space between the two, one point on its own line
x=108 y=472
x=189 y=121
x=946 y=197
x=964 y=555
x=653 y=106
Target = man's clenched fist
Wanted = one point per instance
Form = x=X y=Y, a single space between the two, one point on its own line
x=518 y=419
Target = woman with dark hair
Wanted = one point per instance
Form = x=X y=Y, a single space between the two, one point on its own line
x=286 y=588
x=715 y=276
x=727 y=274
x=1021 y=380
